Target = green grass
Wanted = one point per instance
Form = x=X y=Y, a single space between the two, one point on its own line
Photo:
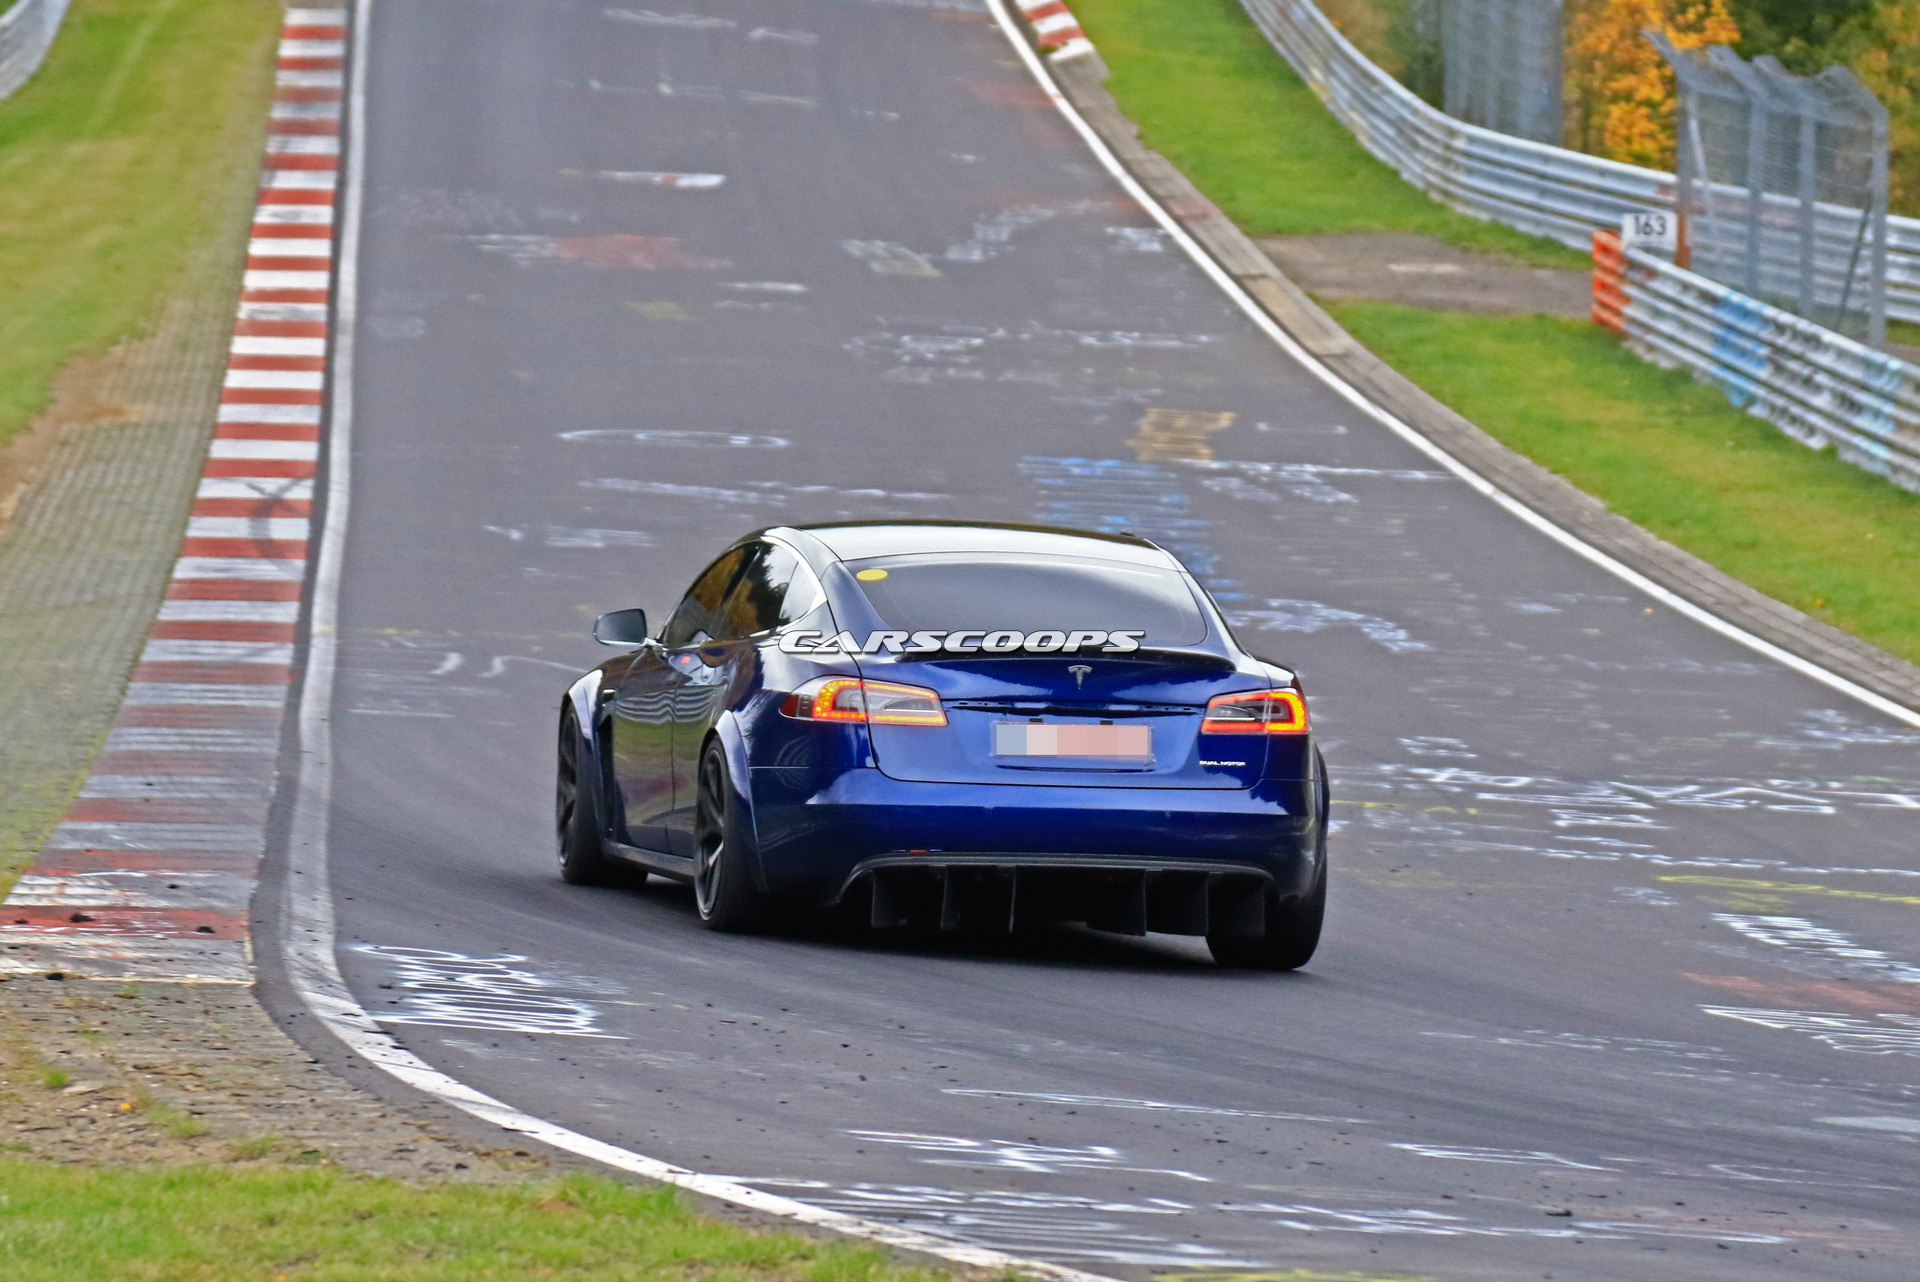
x=1662 y=450
x=1211 y=95
x=67 y=1223
x=1673 y=456
x=143 y=125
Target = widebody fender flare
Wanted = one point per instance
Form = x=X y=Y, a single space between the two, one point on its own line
x=583 y=696
x=733 y=742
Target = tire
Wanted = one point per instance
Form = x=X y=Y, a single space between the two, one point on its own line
x=1292 y=934
x=577 y=810
x=723 y=890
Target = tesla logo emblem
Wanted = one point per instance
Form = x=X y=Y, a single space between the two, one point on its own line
x=1080 y=671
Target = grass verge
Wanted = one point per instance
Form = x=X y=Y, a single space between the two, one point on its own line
x=1210 y=94
x=68 y=1223
x=115 y=159
x=1668 y=453
x=1672 y=456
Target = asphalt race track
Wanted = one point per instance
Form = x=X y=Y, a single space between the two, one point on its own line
x=1622 y=974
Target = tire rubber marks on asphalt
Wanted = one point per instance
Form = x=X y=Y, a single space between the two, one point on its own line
x=149 y=874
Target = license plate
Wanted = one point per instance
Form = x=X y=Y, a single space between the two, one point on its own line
x=1026 y=739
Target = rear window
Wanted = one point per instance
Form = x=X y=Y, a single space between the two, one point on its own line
x=1030 y=594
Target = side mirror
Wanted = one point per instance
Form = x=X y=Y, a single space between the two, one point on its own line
x=621 y=627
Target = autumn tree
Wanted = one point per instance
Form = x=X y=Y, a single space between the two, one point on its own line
x=1619 y=92
x=1883 y=49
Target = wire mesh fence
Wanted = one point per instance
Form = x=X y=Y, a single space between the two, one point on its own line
x=26 y=33
x=1547 y=191
x=1783 y=185
x=1503 y=61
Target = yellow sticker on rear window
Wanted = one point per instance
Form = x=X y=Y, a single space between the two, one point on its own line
x=870 y=576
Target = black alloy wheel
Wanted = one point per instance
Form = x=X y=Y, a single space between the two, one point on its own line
x=576 y=813
x=723 y=891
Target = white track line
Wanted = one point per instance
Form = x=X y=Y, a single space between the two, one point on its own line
x=1269 y=327
x=312 y=967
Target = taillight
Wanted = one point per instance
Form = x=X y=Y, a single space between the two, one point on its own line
x=1256 y=712
x=881 y=703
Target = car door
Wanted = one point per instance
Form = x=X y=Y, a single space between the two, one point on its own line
x=645 y=703
x=724 y=664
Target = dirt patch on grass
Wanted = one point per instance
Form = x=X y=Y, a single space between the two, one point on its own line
x=172 y=1074
x=1419 y=270
x=82 y=398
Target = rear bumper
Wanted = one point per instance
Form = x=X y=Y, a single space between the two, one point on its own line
x=816 y=847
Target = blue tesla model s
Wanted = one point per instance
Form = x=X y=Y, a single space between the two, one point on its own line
x=952 y=723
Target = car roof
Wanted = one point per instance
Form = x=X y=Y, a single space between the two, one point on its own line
x=859 y=540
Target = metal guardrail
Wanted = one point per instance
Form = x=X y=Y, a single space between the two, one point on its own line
x=1547 y=191
x=26 y=33
x=1813 y=384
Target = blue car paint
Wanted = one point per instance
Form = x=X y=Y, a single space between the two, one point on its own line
x=817 y=803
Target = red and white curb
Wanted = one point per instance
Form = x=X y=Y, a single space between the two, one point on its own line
x=1055 y=29
x=150 y=873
